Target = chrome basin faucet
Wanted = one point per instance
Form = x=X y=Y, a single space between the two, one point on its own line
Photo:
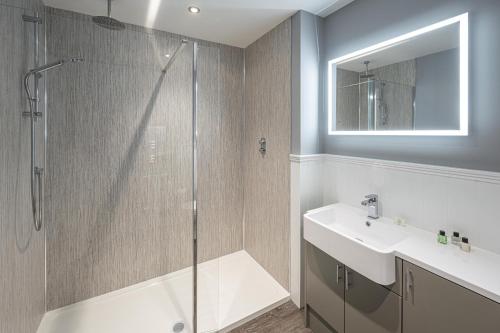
x=372 y=203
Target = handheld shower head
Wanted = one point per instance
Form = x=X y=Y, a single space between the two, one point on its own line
x=39 y=70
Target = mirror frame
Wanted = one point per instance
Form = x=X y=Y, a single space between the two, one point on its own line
x=463 y=21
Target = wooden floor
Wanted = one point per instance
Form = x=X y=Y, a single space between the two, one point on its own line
x=286 y=318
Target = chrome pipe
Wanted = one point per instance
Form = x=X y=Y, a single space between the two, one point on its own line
x=52 y=65
x=195 y=183
x=174 y=55
x=36 y=173
x=109 y=8
x=44 y=68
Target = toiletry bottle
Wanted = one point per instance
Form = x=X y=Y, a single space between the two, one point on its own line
x=442 y=238
x=400 y=221
x=455 y=239
x=465 y=246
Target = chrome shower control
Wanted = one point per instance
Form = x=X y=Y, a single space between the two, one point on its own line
x=263 y=146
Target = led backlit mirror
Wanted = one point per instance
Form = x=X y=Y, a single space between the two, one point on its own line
x=415 y=84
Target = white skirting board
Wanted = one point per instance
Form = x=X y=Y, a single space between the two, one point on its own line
x=232 y=290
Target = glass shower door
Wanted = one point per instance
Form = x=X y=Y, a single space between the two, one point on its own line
x=119 y=184
x=209 y=150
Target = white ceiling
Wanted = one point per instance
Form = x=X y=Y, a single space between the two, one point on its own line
x=232 y=22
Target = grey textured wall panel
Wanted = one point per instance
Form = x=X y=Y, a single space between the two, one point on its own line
x=267 y=178
x=22 y=259
x=119 y=157
x=220 y=123
x=347 y=111
x=366 y=22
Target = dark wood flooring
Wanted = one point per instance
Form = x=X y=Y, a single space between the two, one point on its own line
x=286 y=318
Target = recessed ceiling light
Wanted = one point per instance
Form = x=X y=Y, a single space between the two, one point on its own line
x=167 y=55
x=193 y=10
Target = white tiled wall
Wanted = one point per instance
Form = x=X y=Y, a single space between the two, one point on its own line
x=429 y=199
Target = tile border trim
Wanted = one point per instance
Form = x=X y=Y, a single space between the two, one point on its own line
x=427 y=169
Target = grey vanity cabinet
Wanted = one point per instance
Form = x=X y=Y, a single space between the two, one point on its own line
x=340 y=300
x=434 y=304
x=335 y=304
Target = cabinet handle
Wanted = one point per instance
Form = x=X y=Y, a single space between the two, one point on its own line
x=409 y=284
x=347 y=283
x=339 y=277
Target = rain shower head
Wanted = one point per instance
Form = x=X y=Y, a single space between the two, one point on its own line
x=108 y=22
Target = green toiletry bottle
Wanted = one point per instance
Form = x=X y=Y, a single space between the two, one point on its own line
x=442 y=238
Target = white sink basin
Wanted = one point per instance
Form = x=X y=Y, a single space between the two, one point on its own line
x=342 y=232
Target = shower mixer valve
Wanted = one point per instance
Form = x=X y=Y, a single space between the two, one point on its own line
x=263 y=146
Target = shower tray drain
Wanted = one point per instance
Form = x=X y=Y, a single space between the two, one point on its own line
x=178 y=327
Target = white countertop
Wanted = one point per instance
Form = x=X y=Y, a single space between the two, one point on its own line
x=478 y=270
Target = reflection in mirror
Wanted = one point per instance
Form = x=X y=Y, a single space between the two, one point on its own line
x=410 y=85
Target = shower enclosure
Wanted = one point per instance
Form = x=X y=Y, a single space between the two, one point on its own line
x=378 y=99
x=143 y=196
x=122 y=185
x=126 y=149
x=142 y=158
x=375 y=104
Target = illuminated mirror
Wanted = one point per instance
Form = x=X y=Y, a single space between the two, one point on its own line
x=414 y=84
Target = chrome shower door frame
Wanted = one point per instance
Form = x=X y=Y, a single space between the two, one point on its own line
x=195 y=186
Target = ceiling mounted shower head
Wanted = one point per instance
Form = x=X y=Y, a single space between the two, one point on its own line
x=366 y=74
x=108 y=22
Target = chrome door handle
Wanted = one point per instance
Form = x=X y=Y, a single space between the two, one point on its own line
x=339 y=277
x=347 y=283
x=409 y=284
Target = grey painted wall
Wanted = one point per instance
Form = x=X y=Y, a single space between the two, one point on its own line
x=22 y=256
x=295 y=85
x=438 y=91
x=119 y=186
x=366 y=22
x=306 y=77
